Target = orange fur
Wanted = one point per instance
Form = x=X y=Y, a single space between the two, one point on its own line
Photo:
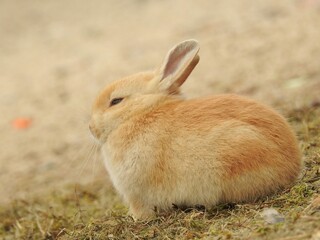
x=160 y=149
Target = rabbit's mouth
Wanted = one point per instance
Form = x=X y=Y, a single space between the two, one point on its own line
x=94 y=131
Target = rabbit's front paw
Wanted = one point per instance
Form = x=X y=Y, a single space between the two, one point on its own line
x=139 y=211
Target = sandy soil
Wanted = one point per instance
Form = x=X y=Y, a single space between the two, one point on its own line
x=56 y=55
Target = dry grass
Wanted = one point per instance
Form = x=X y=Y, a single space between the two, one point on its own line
x=95 y=212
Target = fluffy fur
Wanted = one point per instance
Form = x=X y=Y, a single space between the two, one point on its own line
x=161 y=149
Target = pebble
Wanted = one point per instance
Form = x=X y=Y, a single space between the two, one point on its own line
x=272 y=216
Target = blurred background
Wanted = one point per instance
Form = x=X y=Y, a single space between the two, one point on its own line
x=55 y=56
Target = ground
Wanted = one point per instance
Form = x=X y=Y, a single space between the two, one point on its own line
x=55 y=56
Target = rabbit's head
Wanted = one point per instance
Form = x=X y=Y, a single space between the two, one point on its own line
x=137 y=94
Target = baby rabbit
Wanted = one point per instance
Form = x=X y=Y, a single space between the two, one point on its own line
x=161 y=149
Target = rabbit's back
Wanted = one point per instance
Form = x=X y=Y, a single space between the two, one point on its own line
x=243 y=146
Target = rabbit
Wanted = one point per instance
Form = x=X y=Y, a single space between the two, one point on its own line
x=162 y=150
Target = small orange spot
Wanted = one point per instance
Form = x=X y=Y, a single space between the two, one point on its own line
x=21 y=123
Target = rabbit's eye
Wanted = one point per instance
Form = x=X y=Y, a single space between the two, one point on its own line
x=115 y=101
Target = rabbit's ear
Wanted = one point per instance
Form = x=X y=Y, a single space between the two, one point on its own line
x=178 y=64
